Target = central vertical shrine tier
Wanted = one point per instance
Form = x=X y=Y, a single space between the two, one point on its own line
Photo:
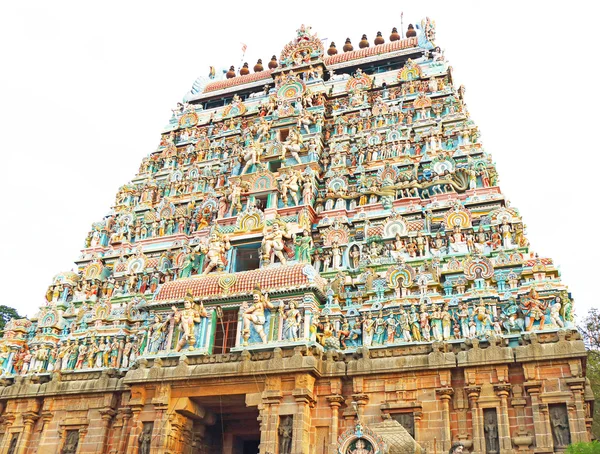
x=316 y=258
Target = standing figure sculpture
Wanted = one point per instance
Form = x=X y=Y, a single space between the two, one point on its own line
x=292 y=319
x=156 y=334
x=490 y=429
x=305 y=119
x=235 y=197
x=304 y=245
x=187 y=318
x=215 y=250
x=251 y=155
x=293 y=144
x=289 y=183
x=534 y=308
x=273 y=242
x=145 y=439
x=560 y=427
x=255 y=315
x=263 y=129
x=368 y=330
x=285 y=435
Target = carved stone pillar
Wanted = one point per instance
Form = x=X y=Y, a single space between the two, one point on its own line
x=46 y=418
x=135 y=431
x=174 y=438
x=541 y=422
x=522 y=438
x=271 y=399
x=107 y=415
x=445 y=396
x=8 y=420
x=349 y=416
x=505 y=442
x=545 y=417
x=29 y=419
x=362 y=400
x=576 y=410
x=303 y=394
x=125 y=417
x=418 y=415
x=461 y=407
x=476 y=418
x=161 y=431
x=335 y=402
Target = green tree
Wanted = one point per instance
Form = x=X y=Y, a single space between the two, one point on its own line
x=590 y=330
x=584 y=448
x=6 y=313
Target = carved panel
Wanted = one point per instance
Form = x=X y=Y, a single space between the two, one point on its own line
x=559 y=422
x=490 y=429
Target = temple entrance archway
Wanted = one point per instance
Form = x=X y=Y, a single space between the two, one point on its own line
x=236 y=429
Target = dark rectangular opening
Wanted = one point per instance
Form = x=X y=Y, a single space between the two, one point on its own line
x=250 y=446
x=407 y=420
x=246 y=258
x=261 y=202
x=283 y=134
x=225 y=332
x=274 y=166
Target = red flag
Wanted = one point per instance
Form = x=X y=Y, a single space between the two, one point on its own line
x=244 y=47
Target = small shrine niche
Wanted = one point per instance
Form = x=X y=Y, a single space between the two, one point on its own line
x=490 y=429
x=14 y=439
x=559 y=422
x=71 y=442
x=285 y=432
x=145 y=438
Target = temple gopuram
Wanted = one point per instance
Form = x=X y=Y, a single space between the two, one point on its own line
x=316 y=259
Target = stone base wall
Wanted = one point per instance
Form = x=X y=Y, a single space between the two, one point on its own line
x=513 y=398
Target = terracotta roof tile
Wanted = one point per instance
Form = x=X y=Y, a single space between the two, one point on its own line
x=330 y=60
x=239 y=80
x=532 y=262
x=213 y=285
x=370 y=51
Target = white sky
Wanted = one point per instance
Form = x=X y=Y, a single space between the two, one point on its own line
x=86 y=87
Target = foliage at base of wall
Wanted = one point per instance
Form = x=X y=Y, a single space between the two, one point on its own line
x=584 y=448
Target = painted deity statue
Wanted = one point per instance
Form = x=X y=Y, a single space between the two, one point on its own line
x=263 y=129
x=273 y=242
x=359 y=448
x=289 y=183
x=187 y=318
x=304 y=246
x=255 y=315
x=293 y=144
x=156 y=334
x=534 y=308
x=292 y=319
x=251 y=155
x=215 y=250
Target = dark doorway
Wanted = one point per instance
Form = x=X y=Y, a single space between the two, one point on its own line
x=235 y=430
x=250 y=446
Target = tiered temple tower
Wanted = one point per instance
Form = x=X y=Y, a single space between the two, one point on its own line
x=317 y=258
